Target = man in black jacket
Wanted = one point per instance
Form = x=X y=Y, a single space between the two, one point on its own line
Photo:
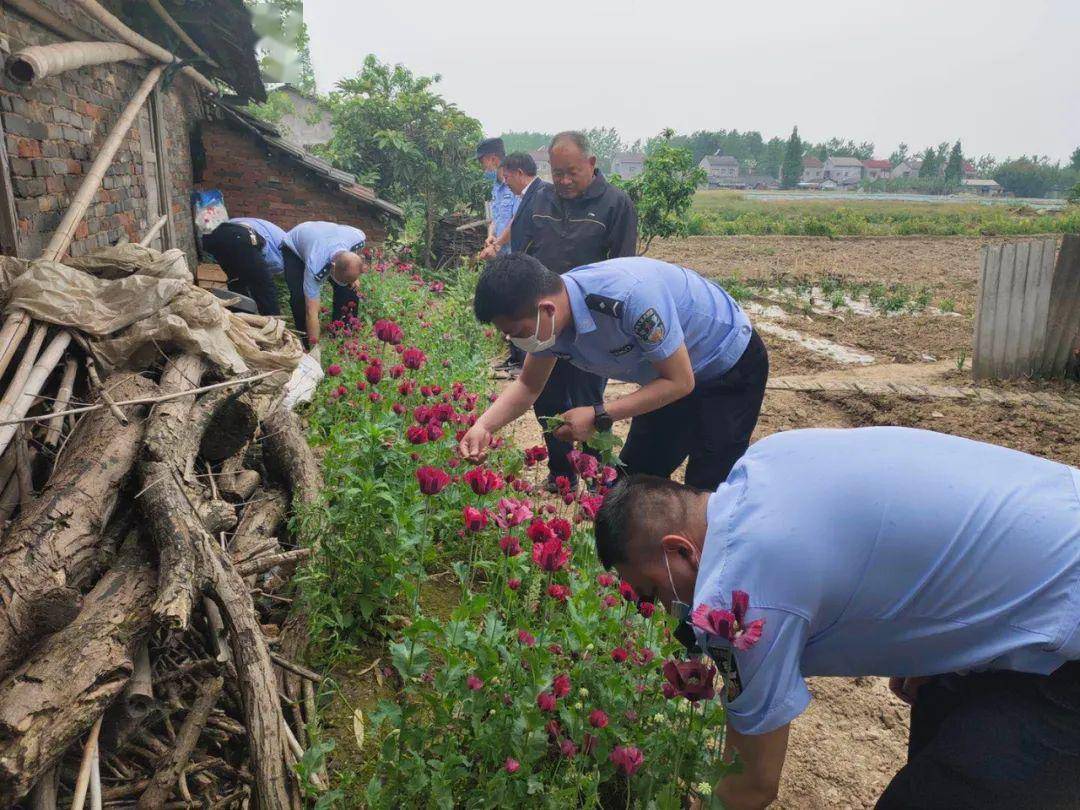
x=579 y=219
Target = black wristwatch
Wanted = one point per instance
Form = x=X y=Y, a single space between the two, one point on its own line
x=601 y=420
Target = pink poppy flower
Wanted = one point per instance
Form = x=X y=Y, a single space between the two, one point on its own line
x=606 y=580
x=474 y=683
x=511 y=765
x=608 y=476
x=545 y=702
x=513 y=583
x=475 y=519
x=627 y=759
x=525 y=638
x=590 y=505
x=560 y=686
x=598 y=719
x=510 y=545
x=568 y=748
x=558 y=592
x=512 y=513
x=333 y=370
x=730 y=624
x=432 y=480
x=584 y=465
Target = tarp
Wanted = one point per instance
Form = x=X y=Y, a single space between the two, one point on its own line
x=143 y=306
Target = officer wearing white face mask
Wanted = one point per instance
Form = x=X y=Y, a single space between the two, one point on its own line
x=701 y=366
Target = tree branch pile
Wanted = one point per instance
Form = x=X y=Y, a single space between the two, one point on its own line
x=149 y=656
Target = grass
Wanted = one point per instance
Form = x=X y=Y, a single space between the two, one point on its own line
x=731 y=213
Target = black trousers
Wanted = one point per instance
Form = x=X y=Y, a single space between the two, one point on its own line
x=712 y=426
x=992 y=740
x=239 y=251
x=345 y=300
x=567 y=387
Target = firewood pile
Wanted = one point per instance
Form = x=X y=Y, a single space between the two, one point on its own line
x=456 y=237
x=149 y=653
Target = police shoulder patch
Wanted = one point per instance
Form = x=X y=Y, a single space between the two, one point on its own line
x=604 y=305
x=649 y=328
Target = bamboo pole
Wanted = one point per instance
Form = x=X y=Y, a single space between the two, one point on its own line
x=48 y=360
x=151 y=49
x=40 y=61
x=65 y=231
x=167 y=18
x=11 y=336
x=83 y=781
x=154 y=231
x=22 y=373
x=47 y=17
x=63 y=397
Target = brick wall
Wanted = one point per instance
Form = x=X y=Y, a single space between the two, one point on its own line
x=258 y=183
x=54 y=129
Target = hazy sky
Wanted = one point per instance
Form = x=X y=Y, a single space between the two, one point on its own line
x=1001 y=75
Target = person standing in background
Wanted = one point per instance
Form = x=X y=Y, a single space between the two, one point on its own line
x=504 y=202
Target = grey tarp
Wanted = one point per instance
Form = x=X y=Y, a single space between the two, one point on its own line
x=132 y=318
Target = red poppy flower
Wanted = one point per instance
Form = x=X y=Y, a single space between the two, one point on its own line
x=562 y=484
x=598 y=719
x=373 y=374
x=692 y=680
x=545 y=702
x=432 y=480
x=590 y=505
x=607 y=580
x=551 y=555
x=540 y=532
x=526 y=638
x=561 y=527
x=397 y=371
x=584 y=465
x=474 y=683
x=511 y=765
x=398 y=408
x=413 y=358
x=333 y=370
x=646 y=609
x=375 y=397
x=628 y=592
x=416 y=434
x=513 y=584
x=475 y=519
x=434 y=432
x=568 y=748
x=483 y=480
x=510 y=545
x=619 y=654
x=388 y=332
x=406 y=387
x=560 y=686
x=534 y=455
x=730 y=624
x=559 y=592
x=627 y=759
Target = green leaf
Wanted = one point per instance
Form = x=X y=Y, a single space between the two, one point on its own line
x=410 y=659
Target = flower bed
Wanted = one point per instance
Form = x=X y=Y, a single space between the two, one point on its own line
x=545 y=685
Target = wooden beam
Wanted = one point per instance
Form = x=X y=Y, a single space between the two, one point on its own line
x=9 y=226
x=157 y=124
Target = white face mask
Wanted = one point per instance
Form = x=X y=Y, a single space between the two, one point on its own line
x=531 y=345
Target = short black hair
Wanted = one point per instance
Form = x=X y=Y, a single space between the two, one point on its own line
x=511 y=285
x=638 y=507
x=522 y=161
x=490 y=146
x=579 y=140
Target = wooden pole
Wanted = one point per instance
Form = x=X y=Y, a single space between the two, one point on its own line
x=167 y=18
x=15 y=328
x=63 y=397
x=154 y=231
x=40 y=61
x=83 y=781
x=22 y=373
x=151 y=49
x=65 y=231
x=48 y=360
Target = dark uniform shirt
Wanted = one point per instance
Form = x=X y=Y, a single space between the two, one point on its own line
x=564 y=234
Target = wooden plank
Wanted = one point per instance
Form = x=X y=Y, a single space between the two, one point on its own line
x=168 y=234
x=1063 y=324
x=9 y=226
x=1001 y=306
x=984 y=312
x=1015 y=318
x=1041 y=303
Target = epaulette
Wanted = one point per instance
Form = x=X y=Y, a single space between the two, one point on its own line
x=605 y=305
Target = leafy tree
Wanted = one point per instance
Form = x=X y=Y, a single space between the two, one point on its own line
x=773 y=158
x=1027 y=176
x=954 y=169
x=393 y=129
x=838 y=147
x=930 y=163
x=605 y=143
x=1074 y=160
x=525 y=141
x=664 y=191
x=791 y=171
x=985 y=166
x=899 y=155
x=1073 y=196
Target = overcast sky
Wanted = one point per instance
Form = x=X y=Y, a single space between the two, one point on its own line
x=1001 y=75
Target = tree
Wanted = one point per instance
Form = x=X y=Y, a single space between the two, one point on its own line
x=930 y=164
x=605 y=143
x=986 y=165
x=1074 y=160
x=899 y=155
x=773 y=158
x=1027 y=176
x=791 y=171
x=954 y=169
x=525 y=141
x=396 y=132
x=664 y=191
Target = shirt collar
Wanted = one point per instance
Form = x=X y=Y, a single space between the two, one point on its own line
x=583 y=319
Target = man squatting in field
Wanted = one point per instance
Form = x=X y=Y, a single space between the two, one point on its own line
x=701 y=366
x=951 y=565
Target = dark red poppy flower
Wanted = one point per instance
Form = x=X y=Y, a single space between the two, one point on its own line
x=619 y=654
x=526 y=638
x=510 y=545
x=551 y=555
x=475 y=519
x=558 y=592
x=416 y=434
x=692 y=680
x=334 y=370
x=474 y=683
x=560 y=686
x=627 y=759
x=546 y=702
x=598 y=718
x=432 y=480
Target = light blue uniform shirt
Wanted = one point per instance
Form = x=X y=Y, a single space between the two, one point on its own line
x=317 y=243
x=504 y=204
x=632 y=312
x=273 y=235
x=891 y=551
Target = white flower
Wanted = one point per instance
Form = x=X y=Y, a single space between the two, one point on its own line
x=583 y=693
x=703 y=788
x=579 y=705
x=658 y=718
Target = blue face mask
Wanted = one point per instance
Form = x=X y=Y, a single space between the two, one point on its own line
x=490 y=174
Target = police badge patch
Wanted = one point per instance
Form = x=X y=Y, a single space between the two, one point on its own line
x=649 y=328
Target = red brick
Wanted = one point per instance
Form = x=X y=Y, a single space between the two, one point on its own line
x=29 y=148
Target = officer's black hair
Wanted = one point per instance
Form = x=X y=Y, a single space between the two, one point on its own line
x=511 y=285
x=637 y=508
x=520 y=161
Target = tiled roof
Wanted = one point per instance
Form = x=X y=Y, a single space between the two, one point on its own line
x=877 y=164
x=811 y=162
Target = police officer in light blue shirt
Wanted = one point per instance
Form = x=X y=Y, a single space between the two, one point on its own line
x=249 y=251
x=313 y=253
x=689 y=345
x=950 y=565
x=504 y=202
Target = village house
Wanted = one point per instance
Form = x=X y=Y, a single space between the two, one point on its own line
x=844 y=171
x=628 y=164
x=543 y=163
x=722 y=171
x=184 y=139
x=969 y=170
x=813 y=170
x=906 y=168
x=876 y=170
x=982 y=186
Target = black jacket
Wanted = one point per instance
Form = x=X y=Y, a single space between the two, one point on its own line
x=520 y=227
x=564 y=234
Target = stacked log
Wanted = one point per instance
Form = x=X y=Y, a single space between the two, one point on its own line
x=457 y=237
x=148 y=653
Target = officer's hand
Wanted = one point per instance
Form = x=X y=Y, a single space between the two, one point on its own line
x=487 y=253
x=907 y=689
x=578 y=425
x=475 y=443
